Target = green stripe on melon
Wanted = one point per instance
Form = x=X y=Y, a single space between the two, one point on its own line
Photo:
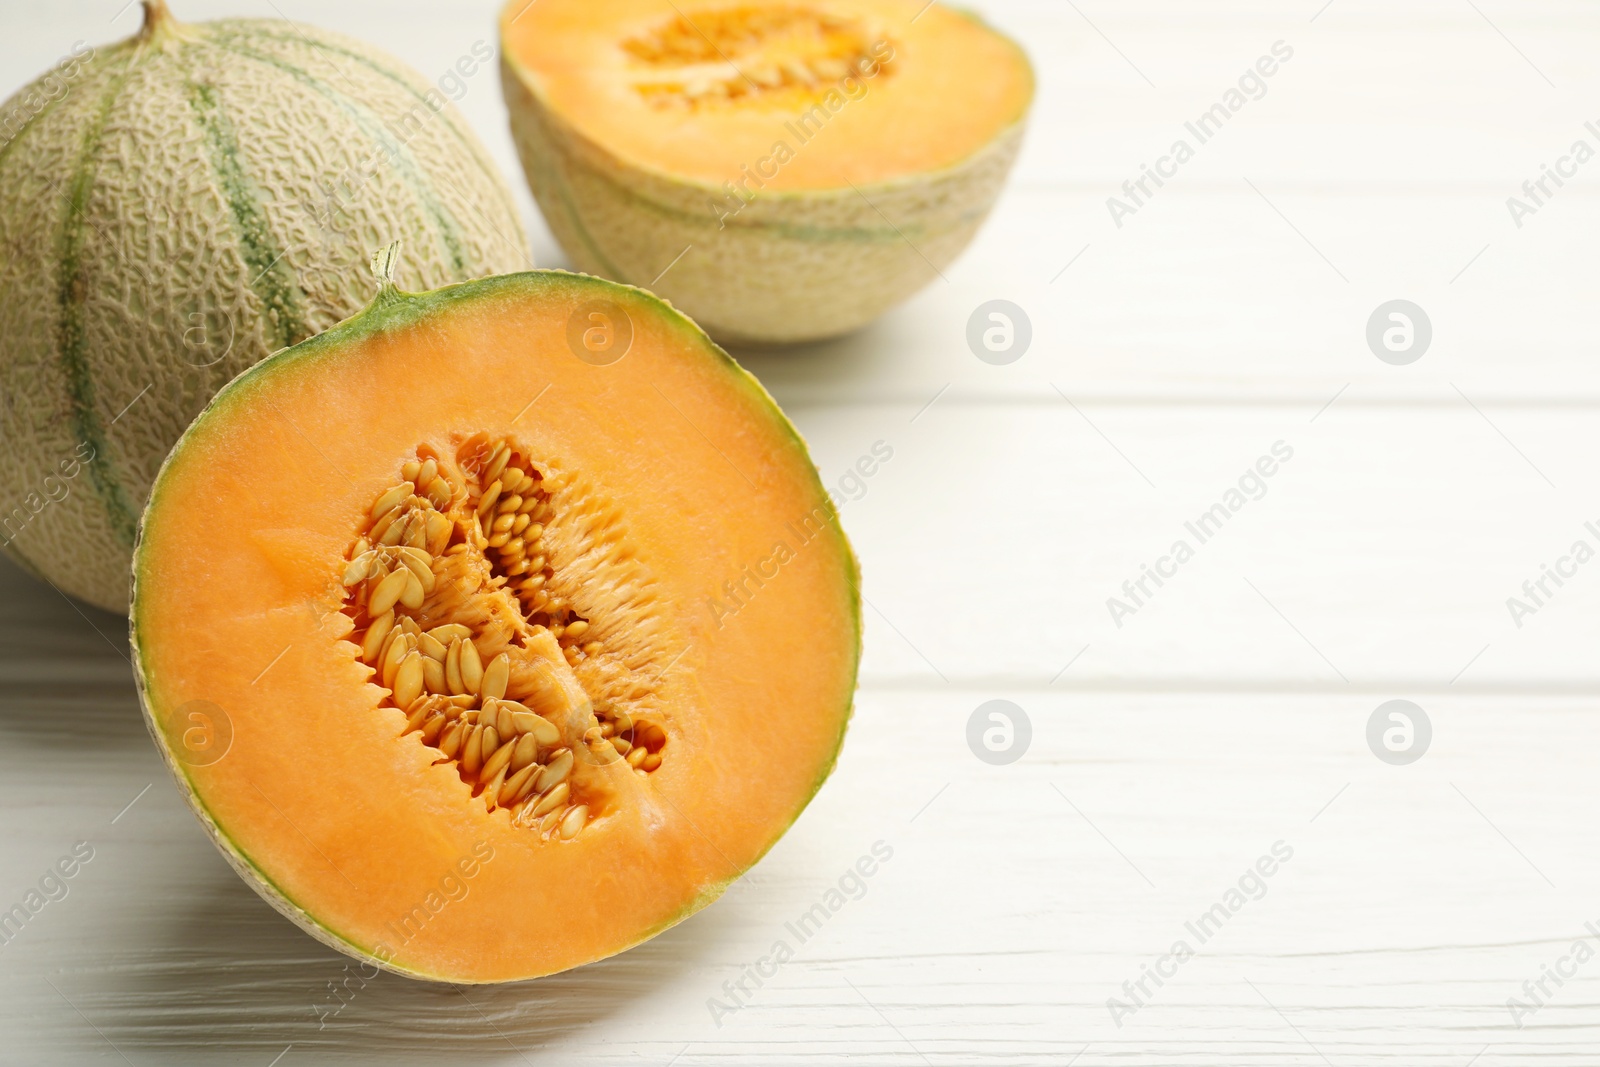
x=198 y=197
x=71 y=289
x=443 y=225
x=272 y=282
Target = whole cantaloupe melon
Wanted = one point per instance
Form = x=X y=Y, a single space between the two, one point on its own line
x=177 y=206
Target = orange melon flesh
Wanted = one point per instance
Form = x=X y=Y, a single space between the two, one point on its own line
x=704 y=91
x=744 y=655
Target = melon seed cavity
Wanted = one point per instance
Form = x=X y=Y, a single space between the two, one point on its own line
x=777 y=55
x=458 y=612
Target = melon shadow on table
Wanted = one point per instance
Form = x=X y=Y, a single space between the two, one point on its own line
x=848 y=363
x=66 y=680
x=212 y=965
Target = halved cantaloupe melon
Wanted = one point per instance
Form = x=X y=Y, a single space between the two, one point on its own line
x=780 y=169
x=496 y=629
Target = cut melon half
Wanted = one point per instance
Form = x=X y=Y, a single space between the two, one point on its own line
x=496 y=629
x=782 y=171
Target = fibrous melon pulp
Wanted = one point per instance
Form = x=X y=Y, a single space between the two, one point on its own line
x=781 y=170
x=172 y=209
x=535 y=630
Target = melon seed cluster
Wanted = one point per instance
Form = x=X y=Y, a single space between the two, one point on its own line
x=510 y=502
x=507 y=494
x=415 y=564
x=745 y=53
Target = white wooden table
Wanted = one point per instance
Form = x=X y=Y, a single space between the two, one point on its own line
x=1227 y=714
